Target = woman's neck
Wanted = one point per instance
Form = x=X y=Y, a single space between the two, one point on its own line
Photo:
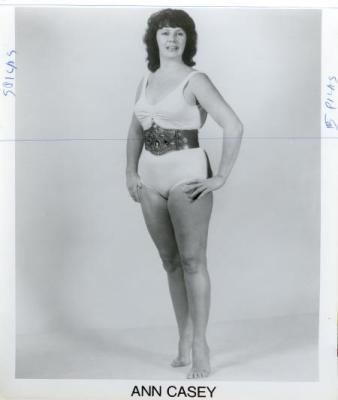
x=170 y=65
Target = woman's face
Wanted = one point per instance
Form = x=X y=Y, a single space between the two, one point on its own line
x=171 y=41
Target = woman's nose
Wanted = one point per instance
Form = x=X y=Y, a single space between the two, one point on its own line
x=172 y=36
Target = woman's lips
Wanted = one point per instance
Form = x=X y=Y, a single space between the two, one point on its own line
x=172 y=48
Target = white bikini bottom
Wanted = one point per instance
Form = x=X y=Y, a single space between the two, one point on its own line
x=164 y=172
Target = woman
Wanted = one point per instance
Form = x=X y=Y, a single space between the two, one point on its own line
x=171 y=177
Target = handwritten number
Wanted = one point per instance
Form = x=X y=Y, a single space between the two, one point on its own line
x=7 y=92
x=330 y=123
x=7 y=85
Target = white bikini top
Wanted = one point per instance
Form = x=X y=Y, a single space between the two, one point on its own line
x=170 y=112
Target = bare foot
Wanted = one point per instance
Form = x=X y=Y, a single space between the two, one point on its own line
x=200 y=361
x=184 y=350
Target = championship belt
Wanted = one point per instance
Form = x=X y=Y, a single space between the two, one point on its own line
x=160 y=140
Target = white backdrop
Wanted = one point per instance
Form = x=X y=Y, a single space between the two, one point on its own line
x=83 y=256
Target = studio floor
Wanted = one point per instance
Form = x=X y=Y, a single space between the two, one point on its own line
x=273 y=349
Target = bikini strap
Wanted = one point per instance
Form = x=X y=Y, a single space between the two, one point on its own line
x=145 y=81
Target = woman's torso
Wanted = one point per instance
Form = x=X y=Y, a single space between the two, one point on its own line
x=172 y=111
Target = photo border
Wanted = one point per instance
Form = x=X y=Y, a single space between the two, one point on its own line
x=324 y=389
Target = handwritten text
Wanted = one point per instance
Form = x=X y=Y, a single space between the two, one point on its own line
x=330 y=103
x=8 y=84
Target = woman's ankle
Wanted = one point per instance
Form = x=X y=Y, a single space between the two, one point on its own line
x=199 y=341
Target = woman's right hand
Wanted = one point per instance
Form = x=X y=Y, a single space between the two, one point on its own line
x=134 y=185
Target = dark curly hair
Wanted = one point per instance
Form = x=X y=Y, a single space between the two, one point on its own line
x=174 y=19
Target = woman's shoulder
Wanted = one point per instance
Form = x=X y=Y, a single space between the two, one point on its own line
x=200 y=75
x=200 y=79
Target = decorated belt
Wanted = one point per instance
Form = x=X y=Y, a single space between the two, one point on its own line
x=159 y=140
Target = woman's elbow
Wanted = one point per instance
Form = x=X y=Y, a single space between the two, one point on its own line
x=237 y=129
x=240 y=129
x=233 y=127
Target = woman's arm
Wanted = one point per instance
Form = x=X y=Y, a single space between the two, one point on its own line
x=134 y=148
x=134 y=145
x=212 y=101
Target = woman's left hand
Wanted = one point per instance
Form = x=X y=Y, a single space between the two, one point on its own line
x=197 y=188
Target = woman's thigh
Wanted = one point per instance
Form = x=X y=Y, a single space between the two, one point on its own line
x=190 y=220
x=159 y=225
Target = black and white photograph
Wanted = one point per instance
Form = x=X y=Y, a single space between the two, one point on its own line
x=168 y=187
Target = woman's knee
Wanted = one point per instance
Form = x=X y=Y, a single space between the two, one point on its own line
x=193 y=262
x=171 y=262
